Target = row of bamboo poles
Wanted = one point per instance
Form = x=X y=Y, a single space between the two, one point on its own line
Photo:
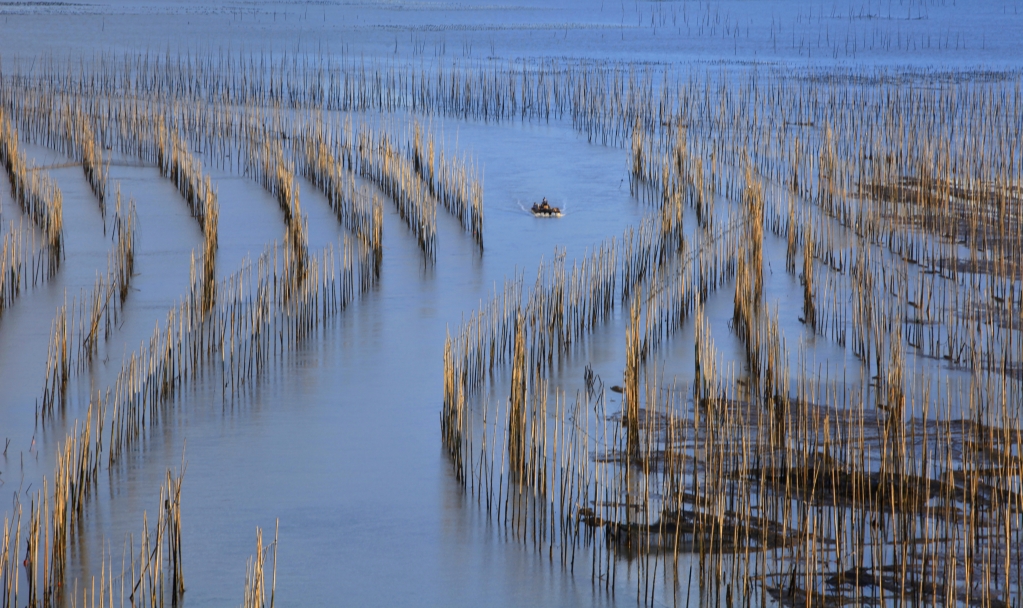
x=451 y=181
x=378 y=157
x=81 y=326
x=357 y=209
x=486 y=90
x=38 y=196
x=263 y=312
x=177 y=163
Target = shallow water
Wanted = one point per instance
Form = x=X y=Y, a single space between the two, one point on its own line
x=340 y=441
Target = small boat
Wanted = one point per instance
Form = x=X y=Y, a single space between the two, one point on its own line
x=544 y=209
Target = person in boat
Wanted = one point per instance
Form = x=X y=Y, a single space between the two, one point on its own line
x=544 y=208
